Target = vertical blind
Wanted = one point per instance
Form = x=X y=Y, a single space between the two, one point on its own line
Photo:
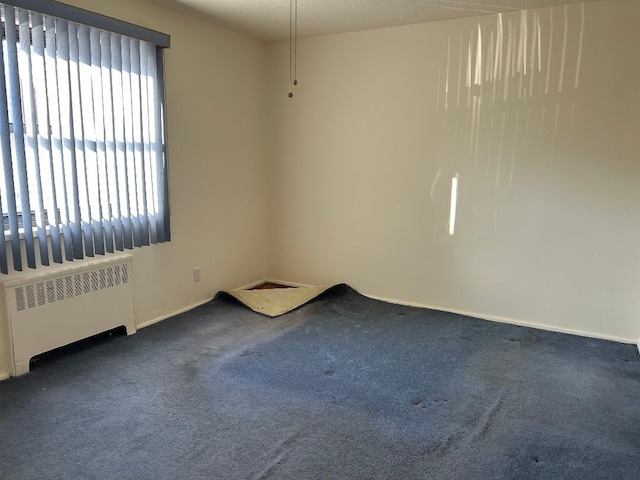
x=81 y=141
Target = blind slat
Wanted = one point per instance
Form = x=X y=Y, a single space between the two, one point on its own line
x=161 y=159
x=156 y=136
x=9 y=189
x=31 y=134
x=105 y=134
x=79 y=142
x=106 y=235
x=15 y=102
x=129 y=169
x=139 y=224
x=57 y=183
x=90 y=144
x=44 y=134
x=147 y=139
x=120 y=142
x=109 y=98
x=70 y=224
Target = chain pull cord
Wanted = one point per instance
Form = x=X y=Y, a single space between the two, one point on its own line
x=295 y=46
x=290 y=46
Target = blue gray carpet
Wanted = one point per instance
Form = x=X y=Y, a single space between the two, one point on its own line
x=343 y=388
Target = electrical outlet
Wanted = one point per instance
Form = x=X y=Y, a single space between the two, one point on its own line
x=196 y=274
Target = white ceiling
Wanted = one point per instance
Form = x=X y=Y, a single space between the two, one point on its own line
x=268 y=20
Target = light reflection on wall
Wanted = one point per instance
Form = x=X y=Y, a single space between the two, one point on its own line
x=453 y=205
x=505 y=90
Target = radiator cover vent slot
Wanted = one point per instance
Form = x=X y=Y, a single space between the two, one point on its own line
x=62 y=288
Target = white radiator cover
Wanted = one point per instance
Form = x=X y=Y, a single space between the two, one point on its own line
x=52 y=309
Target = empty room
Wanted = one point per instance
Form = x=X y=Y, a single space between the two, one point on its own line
x=297 y=239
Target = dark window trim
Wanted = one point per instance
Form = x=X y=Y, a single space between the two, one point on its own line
x=79 y=15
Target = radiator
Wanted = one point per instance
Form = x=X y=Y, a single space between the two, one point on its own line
x=49 y=310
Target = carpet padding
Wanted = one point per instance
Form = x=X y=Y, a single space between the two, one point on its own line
x=274 y=302
x=344 y=387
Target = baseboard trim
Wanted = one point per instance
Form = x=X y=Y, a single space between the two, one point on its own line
x=251 y=285
x=288 y=284
x=4 y=375
x=512 y=321
x=490 y=318
x=148 y=323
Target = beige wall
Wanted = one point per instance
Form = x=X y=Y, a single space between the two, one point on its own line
x=548 y=224
x=215 y=89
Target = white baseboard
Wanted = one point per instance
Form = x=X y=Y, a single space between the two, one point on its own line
x=148 y=323
x=289 y=284
x=253 y=284
x=491 y=318
x=513 y=321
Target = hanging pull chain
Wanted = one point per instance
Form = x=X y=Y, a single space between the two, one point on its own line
x=290 y=46
x=295 y=46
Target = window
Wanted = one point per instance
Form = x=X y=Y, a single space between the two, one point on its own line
x=82 y=151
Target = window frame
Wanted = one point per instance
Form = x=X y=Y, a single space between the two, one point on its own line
x=160 y=41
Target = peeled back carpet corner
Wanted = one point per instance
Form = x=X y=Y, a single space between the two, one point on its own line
x=274 y=302
x=345 y=387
